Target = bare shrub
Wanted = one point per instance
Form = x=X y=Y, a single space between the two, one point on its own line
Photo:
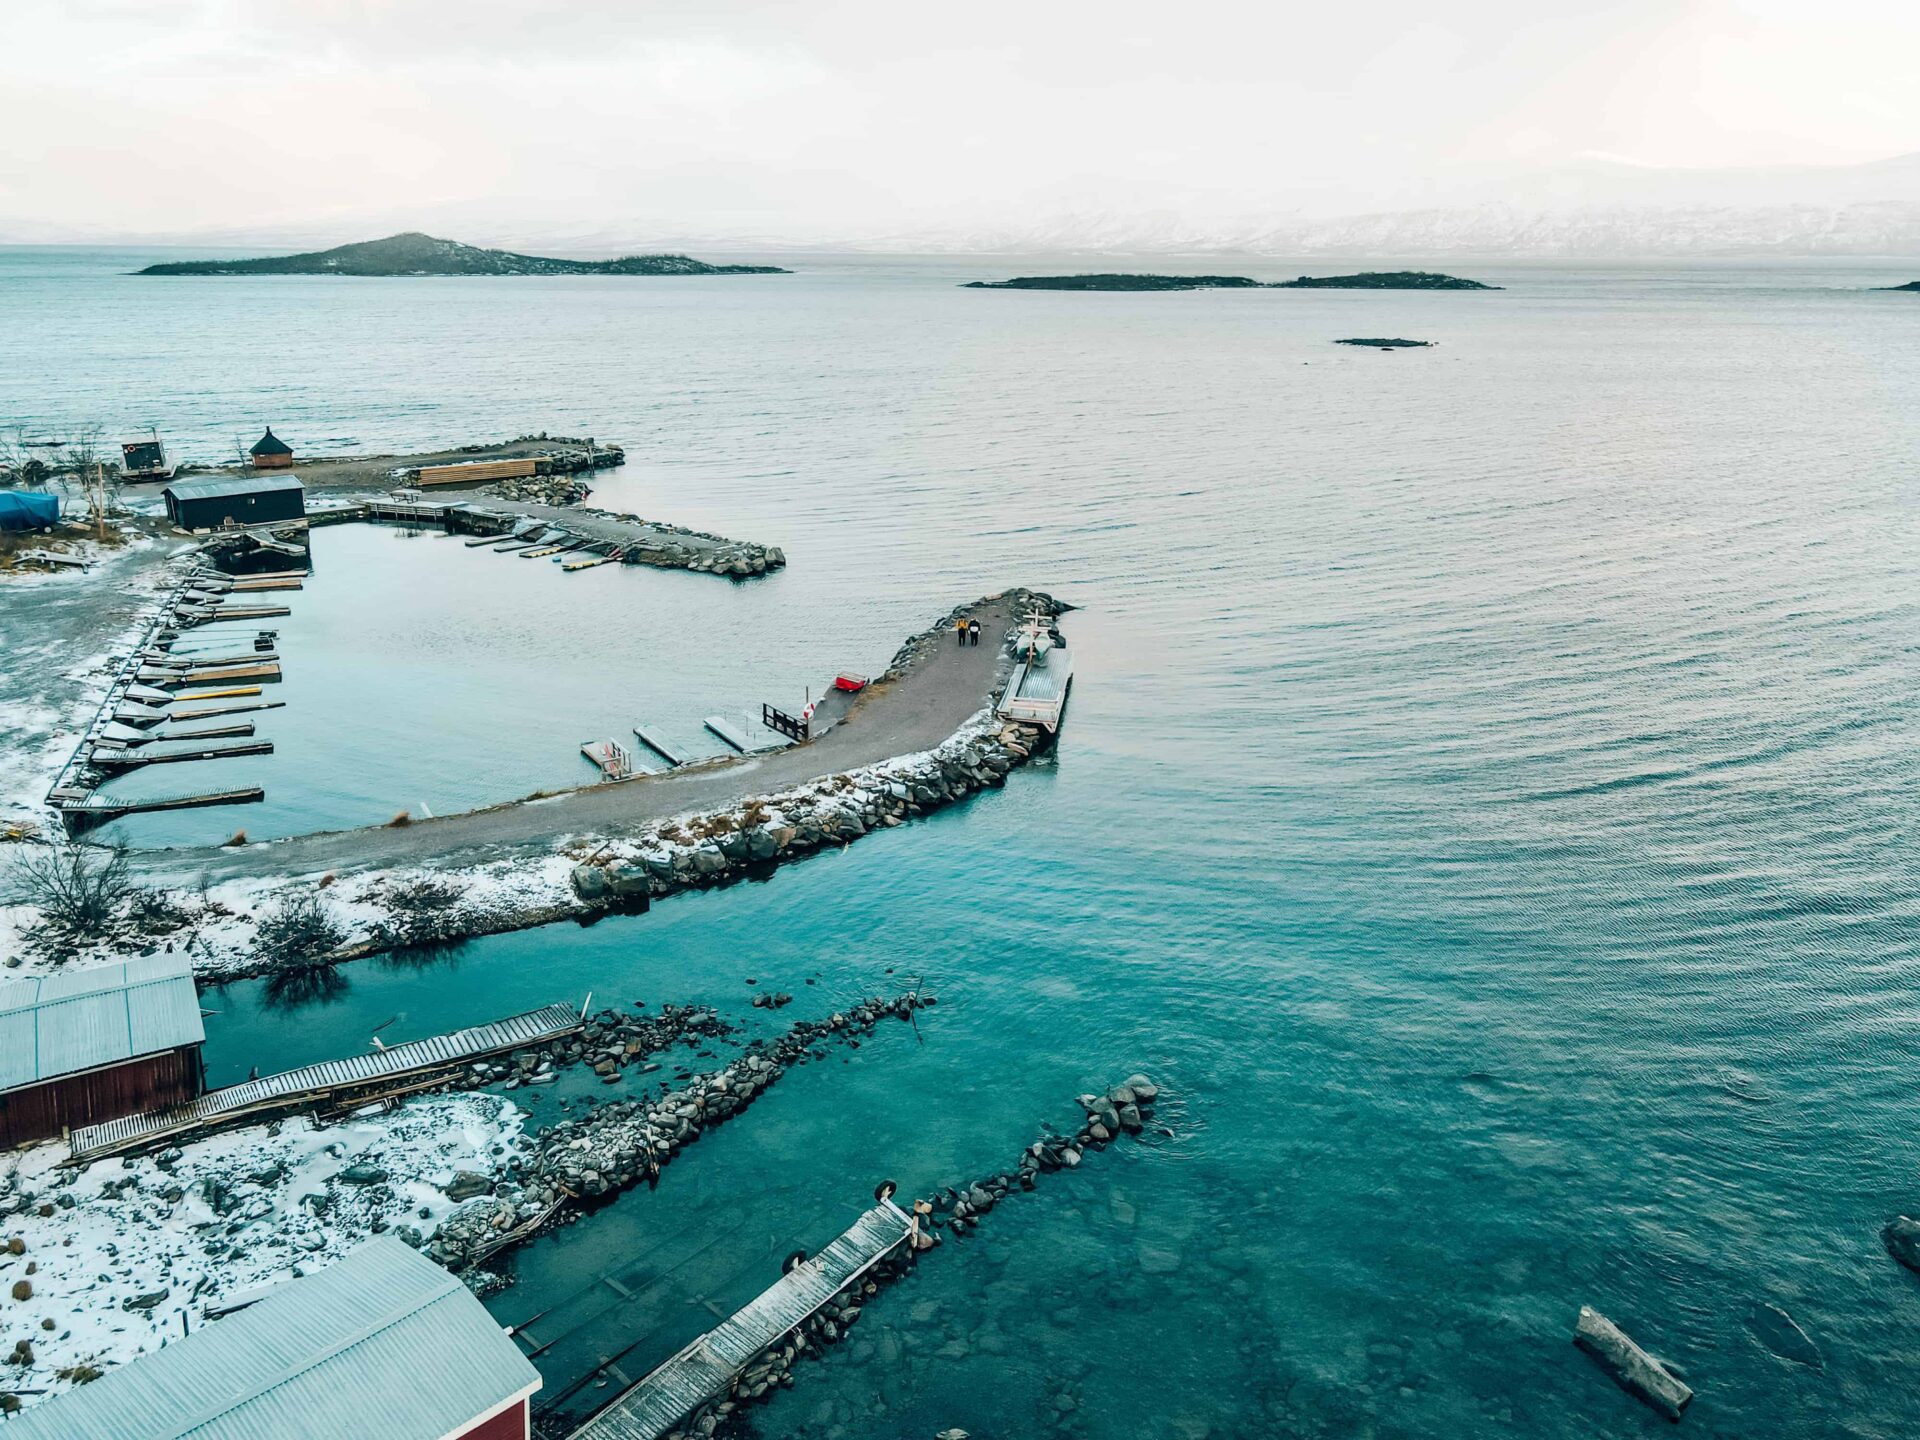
x=81 y=893
x=422 y=910
x=298 y=932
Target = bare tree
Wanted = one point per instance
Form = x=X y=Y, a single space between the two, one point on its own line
x=80 y=892
x=298 y=933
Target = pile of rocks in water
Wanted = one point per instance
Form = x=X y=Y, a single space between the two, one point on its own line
x=676 y=546
x=712 y=849
x=1125 y=1109
x=541 y=489
x=608 y=1044
x=624 y=1143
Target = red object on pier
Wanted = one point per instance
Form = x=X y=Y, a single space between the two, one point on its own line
x=853 y=684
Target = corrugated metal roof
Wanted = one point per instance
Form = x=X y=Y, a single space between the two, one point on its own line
x=82 y=1019
x=383 y=1342
x=245 y=485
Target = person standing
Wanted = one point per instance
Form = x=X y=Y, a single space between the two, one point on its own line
x=973 y=632
x=960 y=630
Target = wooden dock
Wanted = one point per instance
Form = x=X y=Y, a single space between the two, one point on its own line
x=119 y=757
x=81 y=809
x=165 y=678
x=332 y=1083
x=212 y=710
x=614 y=760
x=728 y=732
x=227 y=613
x=706 y=1370
x=233 y=692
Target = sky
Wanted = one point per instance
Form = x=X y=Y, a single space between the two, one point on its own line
x=162 y=117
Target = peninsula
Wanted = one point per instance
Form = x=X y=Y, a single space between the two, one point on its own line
x=1368 y=280
x=417 y=254
x=1913 y=285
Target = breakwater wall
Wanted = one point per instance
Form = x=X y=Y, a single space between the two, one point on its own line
x=711 y=849
x=628 y=1142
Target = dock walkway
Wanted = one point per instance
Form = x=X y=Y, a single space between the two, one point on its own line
x=356 y=1079
x=707 y=1368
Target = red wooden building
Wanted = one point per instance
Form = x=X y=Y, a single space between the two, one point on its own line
x=93 y=1044
x=382 y=1344
x=270 y=452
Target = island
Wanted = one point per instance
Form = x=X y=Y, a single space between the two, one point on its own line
x=1383 y=280
x=1913 y=285
x=417 y=254
x=1368 y=280
x=1389 y=344
x=1117 y=282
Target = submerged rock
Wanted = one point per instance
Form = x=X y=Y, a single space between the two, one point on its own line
x=1632 y=1368
x=1777 y=1331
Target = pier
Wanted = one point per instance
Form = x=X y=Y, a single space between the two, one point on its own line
x=81 y=809
x=332 y=1084
x=119 y=757
x=706 y=1370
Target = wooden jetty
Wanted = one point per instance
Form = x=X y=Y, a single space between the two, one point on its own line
x=231 y=693
x=253 y=583
x=119 y=757
x=651 y=739
x=81 y=809
x=332 y=1084
x=613 y=758
x=706 y=1370
x=540 y=552
x=212 y=710
x=164 y=678
x=589 y=562
x=228 y=613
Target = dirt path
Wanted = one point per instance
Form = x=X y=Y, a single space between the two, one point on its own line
x=937 y=690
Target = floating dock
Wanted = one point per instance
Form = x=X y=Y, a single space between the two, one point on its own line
x=164 y=678
x=332 y=1083
x=240 y=612
x=82 y=809
x=613 y=758
x=651 y=739
x=706 y=1370
x=119 y=757
x=728 y=732
x=232 y=693
x=212 y=710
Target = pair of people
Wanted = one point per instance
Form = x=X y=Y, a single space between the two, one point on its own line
x=966 y=632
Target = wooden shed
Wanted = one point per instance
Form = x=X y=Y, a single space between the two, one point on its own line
x=86 y=1046
x=270 y=452
x=382 y=1344
x=248 y=500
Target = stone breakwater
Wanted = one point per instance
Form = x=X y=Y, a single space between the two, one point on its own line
x=705 y=850
x=627 y=1142
x=1124 y=1109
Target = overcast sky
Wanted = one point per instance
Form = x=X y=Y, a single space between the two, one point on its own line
x=176 y=115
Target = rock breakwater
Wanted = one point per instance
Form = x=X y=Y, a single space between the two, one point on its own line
x=711 y=849
x=629 y=1142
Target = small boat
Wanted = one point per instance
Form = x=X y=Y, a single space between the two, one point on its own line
x=1036 y=694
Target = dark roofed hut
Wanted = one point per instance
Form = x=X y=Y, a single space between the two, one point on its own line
x=270 y=452
x=217 y=504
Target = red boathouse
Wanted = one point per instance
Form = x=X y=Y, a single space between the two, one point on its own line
x=89 y=1045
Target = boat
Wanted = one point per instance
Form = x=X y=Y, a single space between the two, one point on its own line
x=1036 y=694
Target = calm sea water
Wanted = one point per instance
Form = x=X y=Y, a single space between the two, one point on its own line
x=1487 y=805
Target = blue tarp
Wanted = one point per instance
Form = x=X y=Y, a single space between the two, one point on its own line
x=27 y=510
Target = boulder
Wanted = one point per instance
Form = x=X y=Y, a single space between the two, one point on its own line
x=1632 y=1368
x=466 y=1184
x=590 y=882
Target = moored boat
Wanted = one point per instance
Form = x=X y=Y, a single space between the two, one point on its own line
x=1036 y=693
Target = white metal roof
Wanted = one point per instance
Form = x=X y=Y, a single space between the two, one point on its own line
x=382 y=1342
x=82 y=1019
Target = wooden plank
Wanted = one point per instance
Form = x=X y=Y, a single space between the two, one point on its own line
x=293 y=1089
x=706 y=1369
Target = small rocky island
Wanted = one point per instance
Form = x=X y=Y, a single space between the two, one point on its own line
x=1383 y=280
x=1117 y=282
x=1368 y=280
x=417 y=254
x=1389 y=344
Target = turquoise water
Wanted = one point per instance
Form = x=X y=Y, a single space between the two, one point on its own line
x=1486 y=805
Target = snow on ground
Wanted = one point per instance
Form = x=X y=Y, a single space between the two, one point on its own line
x=132 y=1246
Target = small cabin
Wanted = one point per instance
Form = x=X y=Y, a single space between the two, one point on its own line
x=382 y=1344
x=270 y=452
x=86 y=1046
x=223 y=504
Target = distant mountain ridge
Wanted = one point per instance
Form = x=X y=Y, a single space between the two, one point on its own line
x=412 y=253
